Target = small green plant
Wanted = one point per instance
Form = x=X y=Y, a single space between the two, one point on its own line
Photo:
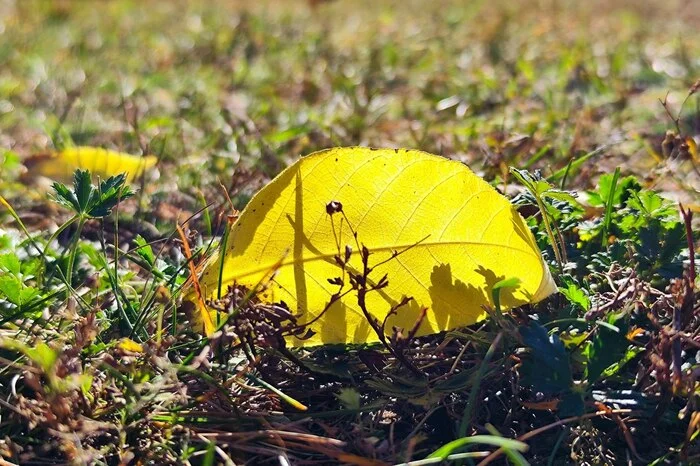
x=16 y=284
x=635 y=234
x=88 y=201
x=544 y=194
x=637 y=225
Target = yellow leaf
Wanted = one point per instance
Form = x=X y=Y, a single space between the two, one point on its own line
x=455 y=237
x=692 y=148
x=129 y=345
x=61 y=165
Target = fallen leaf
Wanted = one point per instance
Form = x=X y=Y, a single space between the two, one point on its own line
x=441 y=235
x=60 y=165
x=548 y=405
x=130 y=346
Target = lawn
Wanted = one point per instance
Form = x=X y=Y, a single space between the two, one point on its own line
x=585 y=115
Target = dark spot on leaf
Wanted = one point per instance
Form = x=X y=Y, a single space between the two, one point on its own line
x=334 y=207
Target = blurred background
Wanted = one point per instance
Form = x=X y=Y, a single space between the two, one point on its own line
x=233 y=87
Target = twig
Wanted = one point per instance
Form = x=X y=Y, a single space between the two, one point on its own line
x=676 y=120
x=687 y=216
x=362 y=290
x=206 y=318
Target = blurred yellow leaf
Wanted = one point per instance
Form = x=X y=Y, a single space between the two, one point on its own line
x=61 y=165
x=129 y=345
x=440 y=234
x=692 y=148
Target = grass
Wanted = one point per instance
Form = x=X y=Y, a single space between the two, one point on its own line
x=100 y=363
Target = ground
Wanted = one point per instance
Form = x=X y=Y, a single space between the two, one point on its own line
x=596 y=106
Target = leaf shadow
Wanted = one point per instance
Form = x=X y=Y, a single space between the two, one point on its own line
x=445 y=290
x=298 y=246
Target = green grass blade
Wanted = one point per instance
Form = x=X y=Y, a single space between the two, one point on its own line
x=607 y=220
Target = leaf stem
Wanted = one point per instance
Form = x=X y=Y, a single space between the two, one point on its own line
x=74 y=248
x=550 y=232
x=40 y=275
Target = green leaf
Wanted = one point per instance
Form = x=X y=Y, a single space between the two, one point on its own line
x=209 y=454
x=610 y=201
x=43 y=356
x=349 y=397
x=66 y=197
x=576 y=296
x=573 y=339
x=112 y=191
x=525 y=178
x=561 y=196
x=607 y=347
x=87 y=200
x=30 y=267
x=547 y=369
x=10 y=263
x=631 y=353
x=144 y=250
x=455 y=445
x=85 y=382
x=11 y=289
x=9 y=160
x=512 y=282
x=542 y=187
x=652 y=205
x=27 y=294
x=615 y=190
x=82 y=187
